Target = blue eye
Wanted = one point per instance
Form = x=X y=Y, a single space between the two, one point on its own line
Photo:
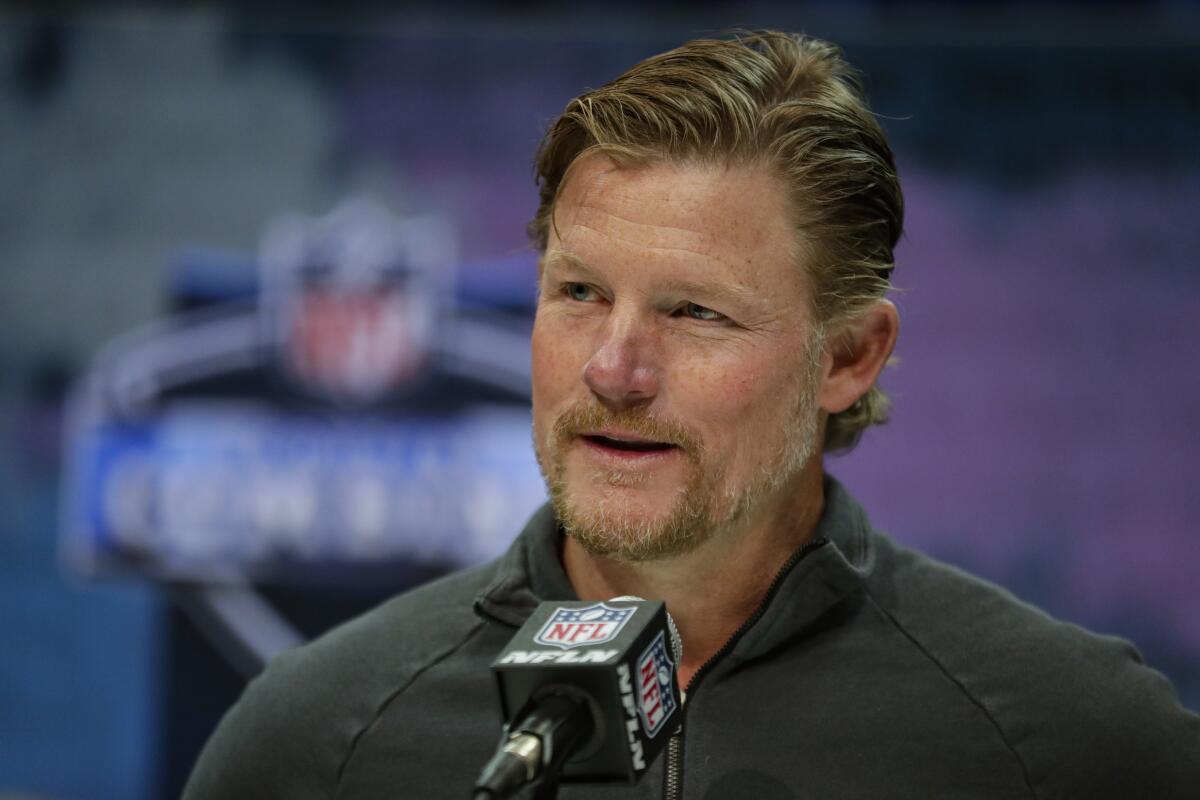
x=701 y=313
x=578 y=291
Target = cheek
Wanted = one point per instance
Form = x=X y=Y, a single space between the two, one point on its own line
x=552 y=364
x=739 y=406
x=732 y=389
x=555 y=376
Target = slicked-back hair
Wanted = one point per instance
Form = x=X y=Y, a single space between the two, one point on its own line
x=788 y=101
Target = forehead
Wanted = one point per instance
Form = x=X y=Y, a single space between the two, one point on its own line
x=718 y=221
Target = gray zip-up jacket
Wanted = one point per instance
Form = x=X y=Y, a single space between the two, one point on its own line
x=870 y=671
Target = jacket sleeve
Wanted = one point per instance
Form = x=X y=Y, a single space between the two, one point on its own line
x=1122 y=731
x=282 y=739
x=1082 y=713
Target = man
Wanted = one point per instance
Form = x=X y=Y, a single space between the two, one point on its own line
x=716 y=229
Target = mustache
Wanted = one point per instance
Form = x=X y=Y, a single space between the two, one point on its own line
x=585 y=417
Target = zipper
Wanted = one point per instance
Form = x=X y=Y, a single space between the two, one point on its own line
x=672 y=788
x=672 y=774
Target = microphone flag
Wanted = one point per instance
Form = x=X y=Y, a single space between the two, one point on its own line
x=620 y=657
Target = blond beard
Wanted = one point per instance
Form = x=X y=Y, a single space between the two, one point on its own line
x=701 y=510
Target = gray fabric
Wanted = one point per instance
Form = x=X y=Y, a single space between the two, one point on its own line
x=874 y=672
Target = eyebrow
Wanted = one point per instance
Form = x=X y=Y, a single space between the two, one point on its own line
x=565 y=259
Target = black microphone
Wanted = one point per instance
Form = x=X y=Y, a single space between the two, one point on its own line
x=588 y=692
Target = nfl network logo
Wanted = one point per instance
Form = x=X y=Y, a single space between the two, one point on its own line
x=656 y=702
x=578 y=627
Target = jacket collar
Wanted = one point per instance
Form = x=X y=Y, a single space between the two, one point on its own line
x=528 y=573
x=531 y=571
x=819 y=580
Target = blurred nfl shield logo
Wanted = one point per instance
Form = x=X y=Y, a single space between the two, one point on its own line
x=351 y=299
x=587 y=625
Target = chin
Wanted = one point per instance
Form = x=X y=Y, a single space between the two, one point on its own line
x=610 y=527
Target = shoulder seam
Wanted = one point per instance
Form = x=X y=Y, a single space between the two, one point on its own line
x=396 y=693
x=953 y=679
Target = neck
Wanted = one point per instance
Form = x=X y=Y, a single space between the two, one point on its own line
x=712 y=590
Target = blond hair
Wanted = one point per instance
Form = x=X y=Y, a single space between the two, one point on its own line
x=785 y=100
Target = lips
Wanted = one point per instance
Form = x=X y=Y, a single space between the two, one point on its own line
x=623 y=439
x=627 y=445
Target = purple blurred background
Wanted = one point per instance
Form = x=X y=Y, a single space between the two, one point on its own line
x=1047 y=396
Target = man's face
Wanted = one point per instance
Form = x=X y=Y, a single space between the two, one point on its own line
x=675 y=361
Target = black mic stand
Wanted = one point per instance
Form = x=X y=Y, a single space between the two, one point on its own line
x=555 y=724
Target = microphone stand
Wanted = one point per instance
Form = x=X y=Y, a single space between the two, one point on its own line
x=552 y=729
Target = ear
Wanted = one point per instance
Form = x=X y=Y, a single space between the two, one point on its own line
x=855 y=354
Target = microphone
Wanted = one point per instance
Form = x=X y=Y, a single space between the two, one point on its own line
x=588 y=692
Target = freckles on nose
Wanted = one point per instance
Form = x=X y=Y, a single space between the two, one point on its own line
x=617 y=371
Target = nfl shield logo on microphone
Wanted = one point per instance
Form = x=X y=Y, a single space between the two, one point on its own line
x=656 y=702
x=587 y=625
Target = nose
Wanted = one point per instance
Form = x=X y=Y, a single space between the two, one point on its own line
x=621 y=371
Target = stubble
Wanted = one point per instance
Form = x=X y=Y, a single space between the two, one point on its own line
x=703 y=507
